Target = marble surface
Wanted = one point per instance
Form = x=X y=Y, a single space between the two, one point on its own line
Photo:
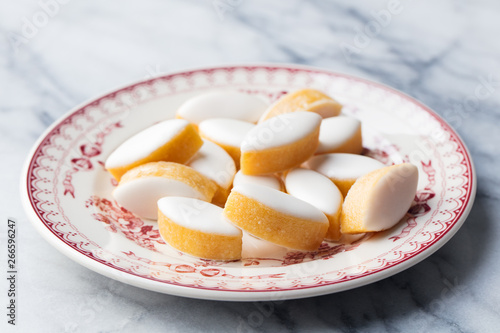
x=57 y=54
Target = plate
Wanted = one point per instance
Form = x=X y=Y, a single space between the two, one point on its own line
x=67 y=193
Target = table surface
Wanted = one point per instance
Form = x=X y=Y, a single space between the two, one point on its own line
x=56 y=54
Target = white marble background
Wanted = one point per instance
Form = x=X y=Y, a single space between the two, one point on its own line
x=441 y=52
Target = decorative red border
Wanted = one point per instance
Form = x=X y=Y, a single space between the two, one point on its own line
x=47 y=221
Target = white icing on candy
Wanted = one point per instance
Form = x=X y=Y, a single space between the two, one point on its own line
x=142 y=144
x=197 y=215
x=230 y=132
x=281 y=130
x=140 y=195
x=335 y=131
x=269 y=181
x=213 y=162
x=314 y=188
x=227 y=104
x=391 y=197
x=281 y=202
x=343 y=166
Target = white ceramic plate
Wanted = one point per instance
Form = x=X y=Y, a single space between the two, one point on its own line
x=67 y=193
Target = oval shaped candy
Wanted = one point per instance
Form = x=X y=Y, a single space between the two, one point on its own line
x=271 y=181
x=343 y=169
x=340 y=134
x=316 y=189
x=380 y=199
x=227 y=133
x=198 y=228
x=222 y=104
x=280 y=143
x=215 y=163
x=141 y=187
x=303 y=100
x=276 y=217
x=174 y=140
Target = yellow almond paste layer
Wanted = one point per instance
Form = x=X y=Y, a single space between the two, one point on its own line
x=173 y=171
x=304 y=100
x=194 y=241
x=179 y=149
x=274 y=226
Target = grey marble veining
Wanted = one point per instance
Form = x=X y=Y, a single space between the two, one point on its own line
x=444 y=53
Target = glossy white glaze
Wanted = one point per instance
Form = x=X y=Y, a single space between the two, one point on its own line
x=335 y=131
x=343 y=166
x=225 y=131
x=213 y=162
x=282 y=130
x=269 y=180
x=281 y=202
x=142 y=144
x=197 y=215
x=217 y=104
x=314 y=188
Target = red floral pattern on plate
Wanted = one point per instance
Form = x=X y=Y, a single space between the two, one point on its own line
x=119 y=219
x=84 y=161
x=199 y=268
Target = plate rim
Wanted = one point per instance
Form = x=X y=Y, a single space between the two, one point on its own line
x=240 y=295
